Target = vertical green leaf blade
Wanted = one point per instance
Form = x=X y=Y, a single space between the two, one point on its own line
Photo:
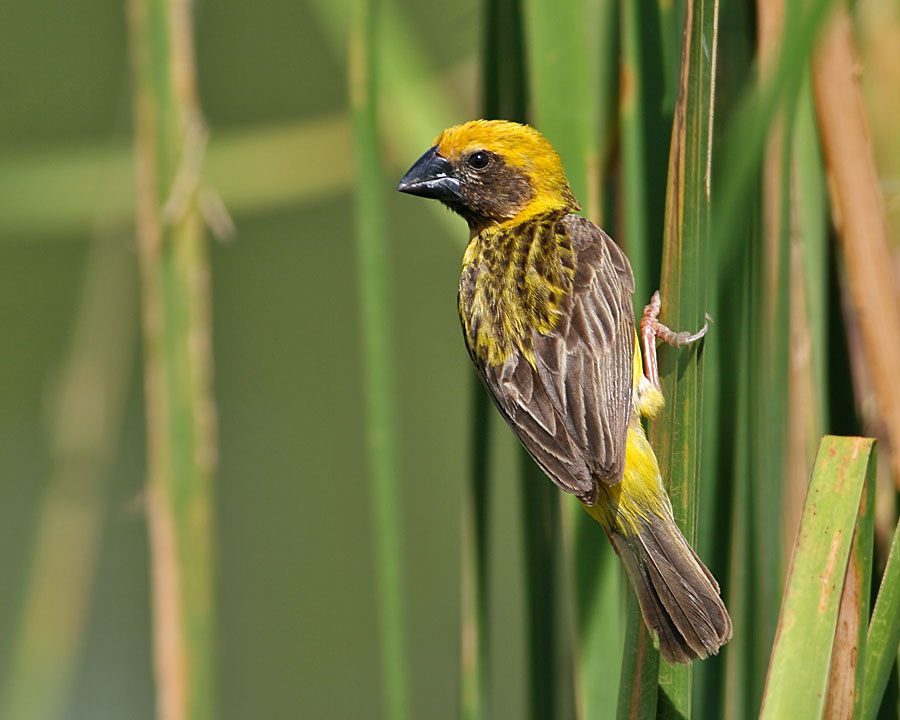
x=639 y=684
x=505 y=95
x=770 y=330
x=474 y=629
x=846 y=675
x=378 y=380
x=798 y=670
x=542 y=536
x=807 y=390
x=884 y=634
x=684 y=280
x=632 y=121
x=563 y=84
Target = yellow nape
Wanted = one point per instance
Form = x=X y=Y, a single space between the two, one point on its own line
x=622 y=507
x=522 y=147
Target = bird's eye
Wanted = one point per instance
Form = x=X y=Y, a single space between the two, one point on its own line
x=478 y=160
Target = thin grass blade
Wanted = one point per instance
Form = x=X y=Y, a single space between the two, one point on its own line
x=643 y=141
x=474 y=627
x=807 y=389
x=632 y=120
x=378 y=380
x=771 y=330
x=883 y=634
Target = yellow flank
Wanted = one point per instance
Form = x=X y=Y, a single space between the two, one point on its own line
x=622 y=506
x=626 y=504
x=648 y=400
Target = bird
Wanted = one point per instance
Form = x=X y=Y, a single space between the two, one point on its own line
x=545 y=302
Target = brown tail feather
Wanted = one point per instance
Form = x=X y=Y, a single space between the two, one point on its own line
x=679 y=597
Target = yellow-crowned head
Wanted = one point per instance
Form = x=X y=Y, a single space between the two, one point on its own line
x=492 y=172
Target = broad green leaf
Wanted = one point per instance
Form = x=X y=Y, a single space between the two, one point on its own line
x=684 y=280
x=797 y=681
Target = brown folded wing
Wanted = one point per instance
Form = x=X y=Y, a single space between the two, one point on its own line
x=571 y=409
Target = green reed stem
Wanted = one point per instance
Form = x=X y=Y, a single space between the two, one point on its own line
x=176 y=309
x=377 y=348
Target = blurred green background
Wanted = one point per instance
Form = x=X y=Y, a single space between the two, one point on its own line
x=295 y=584
x=295 y=599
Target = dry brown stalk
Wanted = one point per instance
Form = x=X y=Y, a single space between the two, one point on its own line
x=859 y=215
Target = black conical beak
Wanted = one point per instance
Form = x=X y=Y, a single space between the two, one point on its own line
x=431 y=177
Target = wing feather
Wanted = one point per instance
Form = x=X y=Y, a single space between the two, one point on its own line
x=571 y=409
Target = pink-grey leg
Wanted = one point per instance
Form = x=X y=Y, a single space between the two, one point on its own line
x=652 y=328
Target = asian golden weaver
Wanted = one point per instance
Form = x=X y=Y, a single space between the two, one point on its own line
x=545 y=303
